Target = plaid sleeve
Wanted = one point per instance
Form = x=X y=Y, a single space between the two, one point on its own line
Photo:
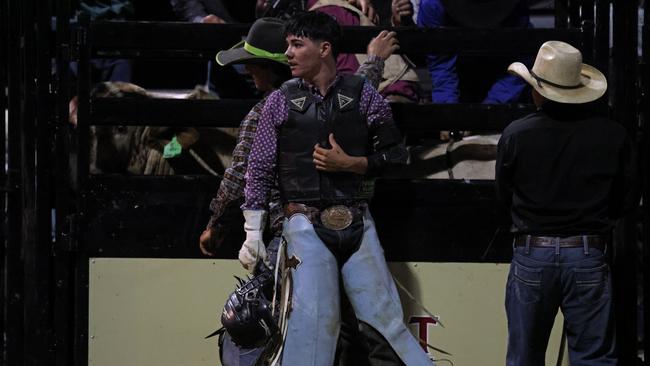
x=231 y=188
x=372 y=69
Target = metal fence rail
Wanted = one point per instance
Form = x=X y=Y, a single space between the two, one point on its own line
x=192 y=40
x=415 y=118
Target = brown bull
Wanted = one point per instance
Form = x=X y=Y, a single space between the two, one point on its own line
x=139 y=149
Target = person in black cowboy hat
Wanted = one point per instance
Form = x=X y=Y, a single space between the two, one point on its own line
x=566 y=174
x=262 y=53
x=227 y=82
x=447 y=87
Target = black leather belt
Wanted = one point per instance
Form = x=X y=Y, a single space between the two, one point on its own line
x=593 y=241
x=334 y=217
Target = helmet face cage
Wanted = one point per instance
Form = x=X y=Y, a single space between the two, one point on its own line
x=247 y=315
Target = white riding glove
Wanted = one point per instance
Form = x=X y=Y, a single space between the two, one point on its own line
x=253 y=248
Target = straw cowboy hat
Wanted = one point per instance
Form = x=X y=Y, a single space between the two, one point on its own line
x=479 y=13
x=264 y=42
x=559 y=75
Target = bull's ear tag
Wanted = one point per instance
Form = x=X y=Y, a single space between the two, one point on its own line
x=173 y=148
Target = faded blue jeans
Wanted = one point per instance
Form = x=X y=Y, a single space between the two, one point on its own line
x=575 y=280
x=315 y=319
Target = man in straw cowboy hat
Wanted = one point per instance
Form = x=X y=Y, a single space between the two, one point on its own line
x=262 y=53
x=566 y=175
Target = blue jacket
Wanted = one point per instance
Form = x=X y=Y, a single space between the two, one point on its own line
x=442 y=68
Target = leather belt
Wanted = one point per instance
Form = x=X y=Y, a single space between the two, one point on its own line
x=593 y=241
x=334 y=217
x=293 y=208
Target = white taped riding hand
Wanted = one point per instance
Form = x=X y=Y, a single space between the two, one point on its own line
x=253 y=248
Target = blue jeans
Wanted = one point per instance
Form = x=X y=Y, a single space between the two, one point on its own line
x=576 y=280
x=314 y=322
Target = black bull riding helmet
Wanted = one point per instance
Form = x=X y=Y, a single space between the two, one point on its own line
x=247 y=315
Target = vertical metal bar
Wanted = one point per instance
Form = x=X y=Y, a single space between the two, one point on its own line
x=645 y=160
x=586 y=21
x=4 y=61
x=84 y=41
x=575 y=7
x=83 y=90
x=13 y=268
x=601 y=36
x=625 y=112
x=44 y=136
x=28 y=136
x=63 y=257
x=586 y=10
x=587 y=28
x=81 y=309
x=561 y=13
x=34 y=196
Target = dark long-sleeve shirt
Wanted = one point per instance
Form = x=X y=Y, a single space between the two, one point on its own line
x=562 y=172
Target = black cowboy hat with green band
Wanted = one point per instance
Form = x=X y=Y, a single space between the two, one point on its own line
x=265 y=42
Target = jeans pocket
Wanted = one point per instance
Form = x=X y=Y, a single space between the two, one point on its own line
x=526 y=282
x=592 y=284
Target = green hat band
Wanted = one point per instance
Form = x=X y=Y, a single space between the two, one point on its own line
x=279 y=57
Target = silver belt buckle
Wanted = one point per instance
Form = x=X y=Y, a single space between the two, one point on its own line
x=336 y=217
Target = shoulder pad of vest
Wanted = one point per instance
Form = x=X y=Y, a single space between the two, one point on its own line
x=298 y=98
x=349 y=91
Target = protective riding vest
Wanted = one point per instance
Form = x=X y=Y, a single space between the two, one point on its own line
x=310 y=122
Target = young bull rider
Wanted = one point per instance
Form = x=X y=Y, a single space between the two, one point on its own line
x=262 y=53
x=325 y=134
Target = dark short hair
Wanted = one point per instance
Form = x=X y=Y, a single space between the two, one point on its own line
x=316 y=26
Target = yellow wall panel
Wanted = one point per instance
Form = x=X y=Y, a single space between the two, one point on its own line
x=158 y=311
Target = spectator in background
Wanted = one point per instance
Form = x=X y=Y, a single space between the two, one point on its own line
x=225 y=81
x=446 y=82
x=399 y=81
x=102 y=69
x=108 y=69
x=401 y=13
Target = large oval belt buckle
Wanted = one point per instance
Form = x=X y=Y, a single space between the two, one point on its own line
x=336 y=217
